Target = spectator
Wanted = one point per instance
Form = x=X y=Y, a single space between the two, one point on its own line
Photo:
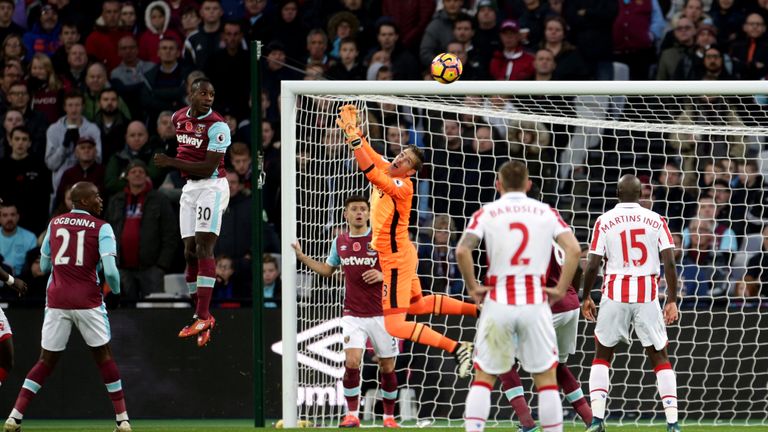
x=532 y=19
x=272 y=282
x=36 y=279
x=68 y=36
x=749 y=199
x=111 y=122
x=438 y=270
x=164 y=138
x=44 y=36
x=128 y=19
x=11 y=119
x=204 y=42
x=46 y=88
x=727 y=17
x=474 y=69
x=591 y=29
x=544 y=65
x=511 y=63
x=62 y=137
x=671 y=199
x=464 y=32
x=157 y=18
x=229 y=71
x=636 y=29
x=691 y=65
x=128 y=76
x=165 y=83
x=136 y=147
x=348 y=68
x=412 y=17
x=755 y=281
x=404 y=65
x=22 y=177
x=18 y=100
x=13 y=49
x=274 y=71
x=317 y=47
x=694 y=11
x=439 y=31
x=15 y=241
x=12 y=73
x=147 y=233
x=714 y=68
x=7 y=26
x=224 y=289
x=570 y=63
x=95 y=83
x=178 y=8
x=341 y=26
x=102 y=42
x=486 y=39
x=235 y=237
x=726 y=242
x=684 y=32
x=74 y=75
x=86 y=169
x=750 y=55
x=293 y=32
x=190 y=23
x=701 y=276
x=259 y=27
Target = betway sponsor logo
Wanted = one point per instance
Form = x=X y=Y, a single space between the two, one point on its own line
x=186 y=139
x=367 y=261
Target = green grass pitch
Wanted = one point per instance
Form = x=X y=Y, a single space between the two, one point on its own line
x=246 y=426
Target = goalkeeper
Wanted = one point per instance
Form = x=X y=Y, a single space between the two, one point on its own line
x=391 y=197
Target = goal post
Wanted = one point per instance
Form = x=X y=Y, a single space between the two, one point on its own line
x=577 y=137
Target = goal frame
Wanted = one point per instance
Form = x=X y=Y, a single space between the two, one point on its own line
x=290 y=90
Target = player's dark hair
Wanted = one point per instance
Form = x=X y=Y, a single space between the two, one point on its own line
x=419 y=156
x=354 y=199
x=196 y=83
x=513 y=175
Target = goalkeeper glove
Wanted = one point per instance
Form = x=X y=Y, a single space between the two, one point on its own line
x=347 y=121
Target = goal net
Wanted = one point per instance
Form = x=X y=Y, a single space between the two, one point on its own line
x=701 y=160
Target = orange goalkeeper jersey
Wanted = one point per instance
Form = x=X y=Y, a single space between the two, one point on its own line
x=390 y=205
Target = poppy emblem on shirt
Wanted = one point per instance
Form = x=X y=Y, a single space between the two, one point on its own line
x=356 y=247
x=343 y=248
x=188 y=126
x=200 y=129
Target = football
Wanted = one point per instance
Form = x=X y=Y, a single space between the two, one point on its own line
x=446 y=68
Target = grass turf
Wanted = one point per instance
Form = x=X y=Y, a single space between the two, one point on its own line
x=247 y=426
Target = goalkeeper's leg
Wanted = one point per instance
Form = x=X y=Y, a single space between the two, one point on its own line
x=513 y=390
x=441 y=305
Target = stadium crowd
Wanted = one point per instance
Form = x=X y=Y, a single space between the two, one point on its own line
x=88 y=89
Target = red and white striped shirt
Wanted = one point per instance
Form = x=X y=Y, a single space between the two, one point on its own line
x=630 y=238
x=518 y=234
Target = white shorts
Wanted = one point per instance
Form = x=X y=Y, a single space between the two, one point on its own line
x=505 y=332
x=566 y=327
x=614 y=319
x=93 y=325
x=5 y=327
x=202 y=206
x=356 y=330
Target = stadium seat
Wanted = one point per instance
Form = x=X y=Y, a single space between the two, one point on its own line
x=176 y=285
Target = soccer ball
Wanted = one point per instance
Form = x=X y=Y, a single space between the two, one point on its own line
x=446 y=68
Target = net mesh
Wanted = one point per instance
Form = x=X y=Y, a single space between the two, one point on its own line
x=700 y=159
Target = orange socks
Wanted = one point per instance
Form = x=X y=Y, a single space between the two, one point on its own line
x=398 y=327
x=442 y=305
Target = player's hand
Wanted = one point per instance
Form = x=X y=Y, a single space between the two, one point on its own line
x=347 y=122
x=588 y=309
x=20 y=286
x=555 y=294
x=162 y=160
x=670 y=313
x=373 y=276
x=297 y=248
x=478 y=293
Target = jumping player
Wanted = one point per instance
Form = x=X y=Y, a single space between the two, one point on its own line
x=203 y=137
x=630 y=238
x=79 y=244
x=391 y=197
x=363 y=318
x=516 y=320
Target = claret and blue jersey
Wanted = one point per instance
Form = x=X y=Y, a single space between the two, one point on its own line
x=199 y=135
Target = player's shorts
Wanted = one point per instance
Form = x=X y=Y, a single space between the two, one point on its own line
x=566 y=327
x=5 y=327
x=506 y=332
x=356 y=330
x=202 y=206
x=93 y=325
x=615 y=318
x=401 y=285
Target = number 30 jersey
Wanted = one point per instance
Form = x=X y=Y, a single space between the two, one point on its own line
x=518 y=233
x=630 y=238
x=75 y=243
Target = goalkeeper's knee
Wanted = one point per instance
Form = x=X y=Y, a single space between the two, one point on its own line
x=397 y=326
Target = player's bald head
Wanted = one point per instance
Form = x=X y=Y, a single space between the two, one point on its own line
x=82 y=191
x=629 y=188
x=513 y=176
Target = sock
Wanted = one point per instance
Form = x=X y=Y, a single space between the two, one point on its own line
x=32 y=384
x=513 y=390
x=190 y=275
x=442 y=305
x=550 y=409
x=388 y=393
x=111 y=378
x=206 y=278
x=397 y=326
x=573 y=394
x=599 y=384
x=667 y=384
x=478 y=406
x=351 y=383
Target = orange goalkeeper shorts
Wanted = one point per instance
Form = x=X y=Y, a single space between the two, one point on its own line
x=401 y=285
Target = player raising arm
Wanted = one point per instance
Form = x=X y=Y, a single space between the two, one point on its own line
x=363 y=318
x=516 y=320
x=391 y=196
x=79 y=243
x=629 y=238
x=203 y=137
